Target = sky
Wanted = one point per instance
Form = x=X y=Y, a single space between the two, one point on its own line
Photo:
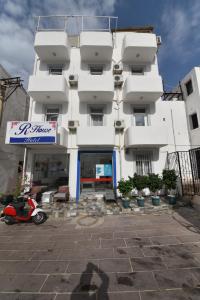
x=177 y=21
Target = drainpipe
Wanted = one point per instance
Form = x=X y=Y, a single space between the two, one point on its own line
x=173 y=130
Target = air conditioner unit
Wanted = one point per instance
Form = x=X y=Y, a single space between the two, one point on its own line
x=159 y=40
x=73 y=79
x=72 y=124
x=117 y=68
x=118 y=79
x=119 y=124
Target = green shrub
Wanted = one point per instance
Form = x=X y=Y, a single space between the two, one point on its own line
x=169 y=179
x=125 y=187
x=155 y=183
x=140 y=182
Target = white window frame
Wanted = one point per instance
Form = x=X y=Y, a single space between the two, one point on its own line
x=55 y=67
x=146 y=157
x=51 y=106
x=96 y=65
x=93 y=113
x=146 y=117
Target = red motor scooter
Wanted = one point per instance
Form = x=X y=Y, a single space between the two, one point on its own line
x=15 y=212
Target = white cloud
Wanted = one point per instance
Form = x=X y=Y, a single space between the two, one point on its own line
x=180 y=25
x=17 y=27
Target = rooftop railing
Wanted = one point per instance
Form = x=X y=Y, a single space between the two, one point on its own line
x=74 y=24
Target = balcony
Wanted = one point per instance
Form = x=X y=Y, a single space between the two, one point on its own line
x=139 y=48
x=48 y=89
x=52 y=46
x=146 y=136
x=96 y=136
x=95 y=88
x=96 y=46
x=143 y=89
x=34 y=134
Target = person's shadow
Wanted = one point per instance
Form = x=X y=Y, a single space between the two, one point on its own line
x=89 y=289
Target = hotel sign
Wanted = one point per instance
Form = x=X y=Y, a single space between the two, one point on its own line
x=31 y=132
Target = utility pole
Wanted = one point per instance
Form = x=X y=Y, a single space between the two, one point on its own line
x=7 y=87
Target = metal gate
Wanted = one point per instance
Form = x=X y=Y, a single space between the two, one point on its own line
x=187 y=167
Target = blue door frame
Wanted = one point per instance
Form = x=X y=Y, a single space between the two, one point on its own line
x=78 y=169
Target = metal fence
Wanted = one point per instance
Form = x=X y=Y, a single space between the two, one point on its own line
x=74 y=24
x=187 y=167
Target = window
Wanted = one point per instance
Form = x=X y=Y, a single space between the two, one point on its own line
x=140 y=117
x=96 y=116
x=52 y=113
x=194 y=121
x=55 y=70
x=137 y=70
x=144 y=163
x=96 y=69
x=189 y=87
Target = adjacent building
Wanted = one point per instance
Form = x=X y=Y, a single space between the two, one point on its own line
x=11 y=156
x=96 y=113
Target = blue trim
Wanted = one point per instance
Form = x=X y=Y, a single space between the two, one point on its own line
x=78 y=169
x=78 y=178
x=33 y=140
x=114 y=170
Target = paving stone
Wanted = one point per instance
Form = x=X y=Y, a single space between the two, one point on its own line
x=19 y=267
x=184 y=260
x=128 y=252
x=50 y=254
x=189 y=238
x=15 y=255
x=88 y=243
x=165 y=240
x=125 y=234
x=168 y=279
x=102 y=235
x=77 y=296
x=147 y=263
x=112 y=243
x=164 y=295
x=138 y=242
x=48 y=267
x=161 y=251
x=86 y=254
x=76 y=283
x=79 y=266
x=20 y=296
x=136 y=281
x=115 y=265
x=21 y=283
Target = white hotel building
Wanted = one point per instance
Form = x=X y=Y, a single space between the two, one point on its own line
x=103 y=88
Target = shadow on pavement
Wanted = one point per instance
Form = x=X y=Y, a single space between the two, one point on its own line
x=93 y=284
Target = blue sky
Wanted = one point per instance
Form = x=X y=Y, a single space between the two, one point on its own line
x=177 y=21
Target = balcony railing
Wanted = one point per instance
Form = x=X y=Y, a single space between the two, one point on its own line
x=74 y=24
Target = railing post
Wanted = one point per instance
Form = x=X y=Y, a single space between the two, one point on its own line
x=81 y=23
x=179 y=166
x=191 y=166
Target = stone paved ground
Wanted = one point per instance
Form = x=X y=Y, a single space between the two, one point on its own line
x=145 y=257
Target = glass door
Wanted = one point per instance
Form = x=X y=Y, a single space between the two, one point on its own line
x=96 y=172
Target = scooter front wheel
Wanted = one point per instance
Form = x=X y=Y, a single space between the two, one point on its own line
x=9 y=220
x=39 y=218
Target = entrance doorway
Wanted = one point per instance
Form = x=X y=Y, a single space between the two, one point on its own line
x=96 y=171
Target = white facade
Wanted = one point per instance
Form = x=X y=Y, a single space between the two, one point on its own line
x=192 y=104
x=95 y=100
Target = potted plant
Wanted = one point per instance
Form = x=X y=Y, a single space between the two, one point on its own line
x=169 y=180
x=125 y=187
x=155 y=184
x=140 y=182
